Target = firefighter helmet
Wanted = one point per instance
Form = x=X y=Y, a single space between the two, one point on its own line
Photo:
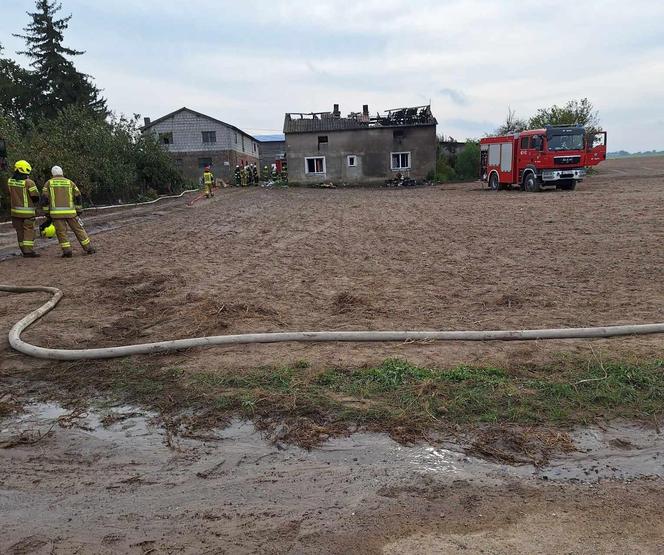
x=23 y=167
x=48 y=231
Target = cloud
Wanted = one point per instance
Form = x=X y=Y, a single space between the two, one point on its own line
x=458 y=97
x=249 y=63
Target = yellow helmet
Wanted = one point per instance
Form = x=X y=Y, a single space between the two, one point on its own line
x=48 y=231
x=23 y=167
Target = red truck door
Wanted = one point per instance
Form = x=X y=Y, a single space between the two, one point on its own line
x=595 y=148
x=526 y=154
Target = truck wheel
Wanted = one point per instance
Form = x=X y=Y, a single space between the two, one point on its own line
x=494 y=184
x=568 y=185
x=531 y=184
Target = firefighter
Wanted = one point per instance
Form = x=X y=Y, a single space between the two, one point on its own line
x=238 y=176
x=266 y=173
x=24 y=198
x=208 y=181
x=254 y=174
x=243 y=176
x=250 y=175
x=61 y=201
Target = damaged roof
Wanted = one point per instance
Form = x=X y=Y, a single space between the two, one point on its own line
x=332 y=121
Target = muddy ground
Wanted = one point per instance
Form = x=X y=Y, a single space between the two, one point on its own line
x=450 y=257
x=106 y=481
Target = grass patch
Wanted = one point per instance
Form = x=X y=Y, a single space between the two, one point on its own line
x=411 y=400
x=304 y=404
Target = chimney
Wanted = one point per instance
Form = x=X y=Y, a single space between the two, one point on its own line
x=146 y=121
x=365 y=110
x=336 y=113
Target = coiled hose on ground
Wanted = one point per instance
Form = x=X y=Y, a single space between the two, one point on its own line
x=164 y=346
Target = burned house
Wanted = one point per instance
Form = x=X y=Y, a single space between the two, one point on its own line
x=195 y=140
x=360 y=148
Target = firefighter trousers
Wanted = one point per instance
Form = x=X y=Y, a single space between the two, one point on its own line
x=76 y=226
x=25 y=233
x=208 y=190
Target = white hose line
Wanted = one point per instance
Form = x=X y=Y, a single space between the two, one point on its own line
x=282 y=337
x=165 y=197
x=92 y=209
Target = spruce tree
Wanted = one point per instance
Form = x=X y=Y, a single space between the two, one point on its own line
x=57 y=82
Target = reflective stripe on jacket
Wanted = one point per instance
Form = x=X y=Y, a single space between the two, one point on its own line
x=20 y=192
x=207 y=178
x=59 y=194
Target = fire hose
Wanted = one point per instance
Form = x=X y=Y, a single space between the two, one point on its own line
x=281 y=337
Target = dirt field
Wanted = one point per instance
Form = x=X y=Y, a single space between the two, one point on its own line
x=454 y=257
x=447 y=257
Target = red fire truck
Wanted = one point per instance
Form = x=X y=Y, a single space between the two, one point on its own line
x=556 y=156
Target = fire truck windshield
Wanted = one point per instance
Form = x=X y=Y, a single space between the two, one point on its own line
x=565 y=142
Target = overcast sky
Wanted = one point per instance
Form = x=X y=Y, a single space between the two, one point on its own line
x=249 y=62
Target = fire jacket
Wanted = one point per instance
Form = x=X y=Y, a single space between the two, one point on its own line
x=24 y=196
x=61 y=198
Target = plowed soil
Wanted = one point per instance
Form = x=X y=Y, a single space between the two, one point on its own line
x=448 y=257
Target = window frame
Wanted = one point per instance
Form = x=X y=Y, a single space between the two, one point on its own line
x=400 y=168
x=354 y=157
x=306 y=165
x=162 y=136
x=207 y=134
x=528 y=140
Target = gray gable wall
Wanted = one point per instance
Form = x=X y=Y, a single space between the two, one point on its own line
x=187 y=128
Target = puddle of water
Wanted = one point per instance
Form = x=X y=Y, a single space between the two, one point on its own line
x=621 y=451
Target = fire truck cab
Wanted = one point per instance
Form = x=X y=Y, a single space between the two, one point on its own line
x=556 y=156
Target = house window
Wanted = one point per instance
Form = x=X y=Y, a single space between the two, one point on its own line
x=235 y=138
x=178 y=162
x=242 y=143
x=254 y=147
x=322 y=139
x=202 y=162
x=352 y=161
x=209 y=137
x=401 y=160
x=166 y=138
x=314 y=165
x=398 y=133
